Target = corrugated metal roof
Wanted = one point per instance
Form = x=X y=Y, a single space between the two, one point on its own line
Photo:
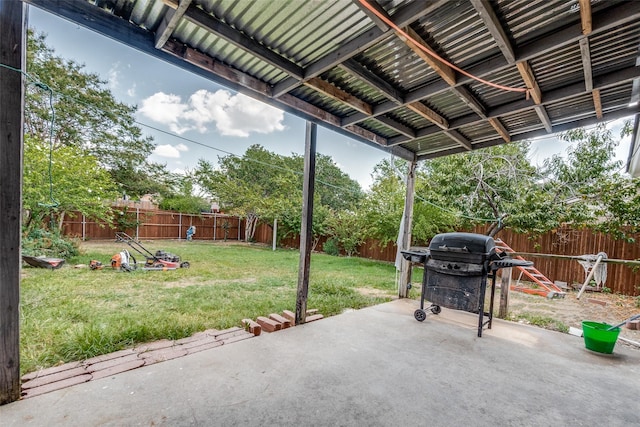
x=334 y=62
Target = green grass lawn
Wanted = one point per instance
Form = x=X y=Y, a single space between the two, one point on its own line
x=76 y=313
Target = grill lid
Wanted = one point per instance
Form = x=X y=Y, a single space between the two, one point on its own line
x=467 y=247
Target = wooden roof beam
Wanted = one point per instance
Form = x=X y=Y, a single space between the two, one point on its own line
x=213 y=25
x=338 y=94
x=170 y=21
x=426 y=112
x=443 y=70
x=530 y=81
x=470 y=100
x=379 y=22
x=457 y=137
x=397 y=126
x=544 y=117
x=585 y=17
x=491 y=21
x=585 y=52
x=499 y=127
x=384 y=87
x=404 y=16
x=597 y=103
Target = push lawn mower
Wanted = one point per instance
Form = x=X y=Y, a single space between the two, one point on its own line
x=161 y=260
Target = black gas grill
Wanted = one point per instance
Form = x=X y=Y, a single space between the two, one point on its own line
x=456 y=268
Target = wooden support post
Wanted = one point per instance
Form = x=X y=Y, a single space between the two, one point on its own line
x=505 y=287
x=307 y=221
x=13 y=27
x=407 y=220
x=591 y=273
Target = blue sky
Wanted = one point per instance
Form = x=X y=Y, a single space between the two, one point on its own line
x=197 y=109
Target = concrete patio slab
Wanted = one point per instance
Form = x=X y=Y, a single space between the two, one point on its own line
x=376 y=367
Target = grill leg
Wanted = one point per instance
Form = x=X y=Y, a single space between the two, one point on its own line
x=493 y=292
x=483 y=287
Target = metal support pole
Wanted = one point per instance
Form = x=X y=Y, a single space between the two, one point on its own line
x=215 y=225
x=239 y=225
x=13 y=27
x=137 y=222
x=275 y=233
x=84 y=227
x=405 y=265
x=180 y=226
x=308 y=188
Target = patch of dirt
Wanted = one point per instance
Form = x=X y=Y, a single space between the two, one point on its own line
x=593 y=306
x=369 y=292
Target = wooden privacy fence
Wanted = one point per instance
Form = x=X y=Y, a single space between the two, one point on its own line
x=156 y=224
x=565 y=241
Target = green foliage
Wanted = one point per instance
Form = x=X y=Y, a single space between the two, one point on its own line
x=79 y=184
x=185 y=204
x=87 y=115
x=37 y=242
x=330 y=247
x=125 y=220
x=347 y=229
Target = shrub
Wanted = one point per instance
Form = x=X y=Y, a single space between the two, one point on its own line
x=39 y=241
x=330 y=247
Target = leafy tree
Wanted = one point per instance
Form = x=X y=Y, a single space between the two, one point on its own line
x=384 y=204
x=87 y=116
x=185 y=200
x=594 y=192
x=497 y=185
x=79 y=184
x=347 y=228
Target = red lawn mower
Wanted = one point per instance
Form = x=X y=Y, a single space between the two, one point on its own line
x=160 y=261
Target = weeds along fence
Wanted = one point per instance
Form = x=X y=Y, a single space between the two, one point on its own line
x=156 y=224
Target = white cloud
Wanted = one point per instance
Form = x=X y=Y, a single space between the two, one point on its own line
x=182 y=147
x=132 y=91
x=167 y=150
x=232 y=115
x=114 y=76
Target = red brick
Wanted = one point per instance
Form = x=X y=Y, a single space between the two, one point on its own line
x=117 y=369
x=163 y=354
x=156 y=345
x=225 y=331
x=203 y=346
x=56 y=386
x=200 y=342
x=312 y=311
x=314 y=318
x=108 y=364
x=633 y=324
x=268 y=325
x=109 y=356
x=195 y=337
x=252 y=326
x=290 y=315
x=597 y=301
x=51 y=370
x=52 y=378
x=286 y=323
x=237 y=338
x=231 y=333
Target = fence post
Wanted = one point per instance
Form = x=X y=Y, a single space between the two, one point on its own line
x=84 y=225
x=239 y=224
x=180 y=227
x=275 y=232
x=137 y=222
x=215 y=225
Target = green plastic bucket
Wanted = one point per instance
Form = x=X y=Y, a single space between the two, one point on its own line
x=597 y=338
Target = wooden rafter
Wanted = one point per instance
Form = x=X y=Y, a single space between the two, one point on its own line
x=585 y=16
x=499 y=127
x=213 y=25
x=470 y=100
x=338 y=94
x=544 y=118
x=394 y=124
x=530 y=81
x=585 y=52
x=442 y=69
x=372 y=80
x=457 y=137
x=491 y=21
x=170 y=21
x=429 y=114
x=597 y=103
